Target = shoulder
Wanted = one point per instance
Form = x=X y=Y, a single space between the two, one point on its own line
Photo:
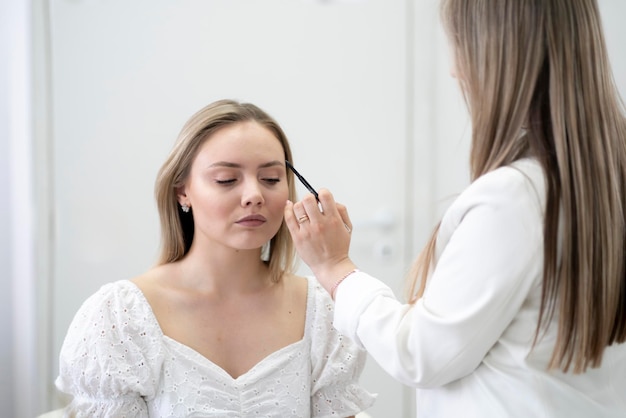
x=113 y=348
x=113 y=298
x=297 y=286
x=523 y=179
x=117 y=310
x=506 y=206
x=154 y=278
x=122 y=293
x=510 y=191
x=158 y=286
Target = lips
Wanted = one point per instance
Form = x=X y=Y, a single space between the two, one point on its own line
x=252 y=220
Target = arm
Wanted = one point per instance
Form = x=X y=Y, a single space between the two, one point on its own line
x=490 y=249
x=109 y=361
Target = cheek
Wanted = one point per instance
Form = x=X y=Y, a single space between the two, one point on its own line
x=278 y=199
x=280 y=196
x=211 y=214
x=212 y=203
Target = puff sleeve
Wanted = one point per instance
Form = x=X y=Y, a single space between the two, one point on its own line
x=337 y=363
x=112 y=355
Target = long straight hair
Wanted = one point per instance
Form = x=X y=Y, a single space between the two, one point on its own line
x=177 y=227
x=541 y=67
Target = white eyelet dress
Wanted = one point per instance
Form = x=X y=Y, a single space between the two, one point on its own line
x=116 y=362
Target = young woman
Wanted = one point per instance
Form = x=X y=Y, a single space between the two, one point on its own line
x=518 y=302
x=220 y=327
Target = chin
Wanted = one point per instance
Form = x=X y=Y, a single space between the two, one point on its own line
x=250 y=245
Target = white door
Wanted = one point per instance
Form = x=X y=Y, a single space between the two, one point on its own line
x=127 y=74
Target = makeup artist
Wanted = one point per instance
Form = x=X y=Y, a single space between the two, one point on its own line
x=517 y=304
x=220 y=327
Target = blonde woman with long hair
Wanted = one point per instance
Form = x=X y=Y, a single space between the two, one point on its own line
x=517 y=305
x=220 y=327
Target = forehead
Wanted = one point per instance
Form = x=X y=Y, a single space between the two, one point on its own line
x=241 y=140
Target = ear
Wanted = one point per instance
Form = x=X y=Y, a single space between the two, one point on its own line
x=181 y=196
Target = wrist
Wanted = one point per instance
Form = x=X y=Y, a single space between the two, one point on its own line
x=334 y=287
x=328 y=274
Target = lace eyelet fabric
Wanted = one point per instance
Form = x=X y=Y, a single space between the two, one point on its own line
x=116 y=362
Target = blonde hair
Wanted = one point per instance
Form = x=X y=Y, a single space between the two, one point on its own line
x=177 y=227
x=541 y=67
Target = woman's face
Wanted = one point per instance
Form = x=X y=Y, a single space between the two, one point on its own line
x=237 y=187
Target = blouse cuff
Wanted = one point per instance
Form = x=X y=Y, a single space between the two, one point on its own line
x=123 y=406
x=342 y=402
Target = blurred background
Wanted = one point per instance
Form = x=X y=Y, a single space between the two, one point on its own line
x=93 y=94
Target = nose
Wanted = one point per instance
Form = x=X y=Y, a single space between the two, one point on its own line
x=252 y=194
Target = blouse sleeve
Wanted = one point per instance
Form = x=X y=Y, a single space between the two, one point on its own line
x=111 y=355
x=337 y=363
x=489 y=259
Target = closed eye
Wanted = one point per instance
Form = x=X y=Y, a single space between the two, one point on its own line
x=226 y=182
x=271 y=180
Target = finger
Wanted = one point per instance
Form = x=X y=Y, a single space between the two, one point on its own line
x=325 y=206
x=295 y=216
x=327 y=200
x=290 y=218
x=343 y=212
x=310 y=207
x=300 y=214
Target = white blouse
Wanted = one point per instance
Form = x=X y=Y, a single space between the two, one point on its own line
x=467 y=344
x=116 y=362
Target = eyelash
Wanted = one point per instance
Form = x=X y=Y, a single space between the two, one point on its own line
x=229 y=182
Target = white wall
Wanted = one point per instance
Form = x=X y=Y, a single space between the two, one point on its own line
x=6 y=252
x=613 y=13
x=18 y=325
x=132 y=101
x=332 y=73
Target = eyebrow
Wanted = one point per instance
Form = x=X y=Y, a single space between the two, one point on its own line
x=234 y=165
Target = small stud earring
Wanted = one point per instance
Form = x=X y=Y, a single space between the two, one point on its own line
x=184 y=207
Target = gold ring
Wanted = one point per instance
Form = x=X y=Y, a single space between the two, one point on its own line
x=303 y=219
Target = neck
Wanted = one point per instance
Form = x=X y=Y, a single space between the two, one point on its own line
x=224 y=270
